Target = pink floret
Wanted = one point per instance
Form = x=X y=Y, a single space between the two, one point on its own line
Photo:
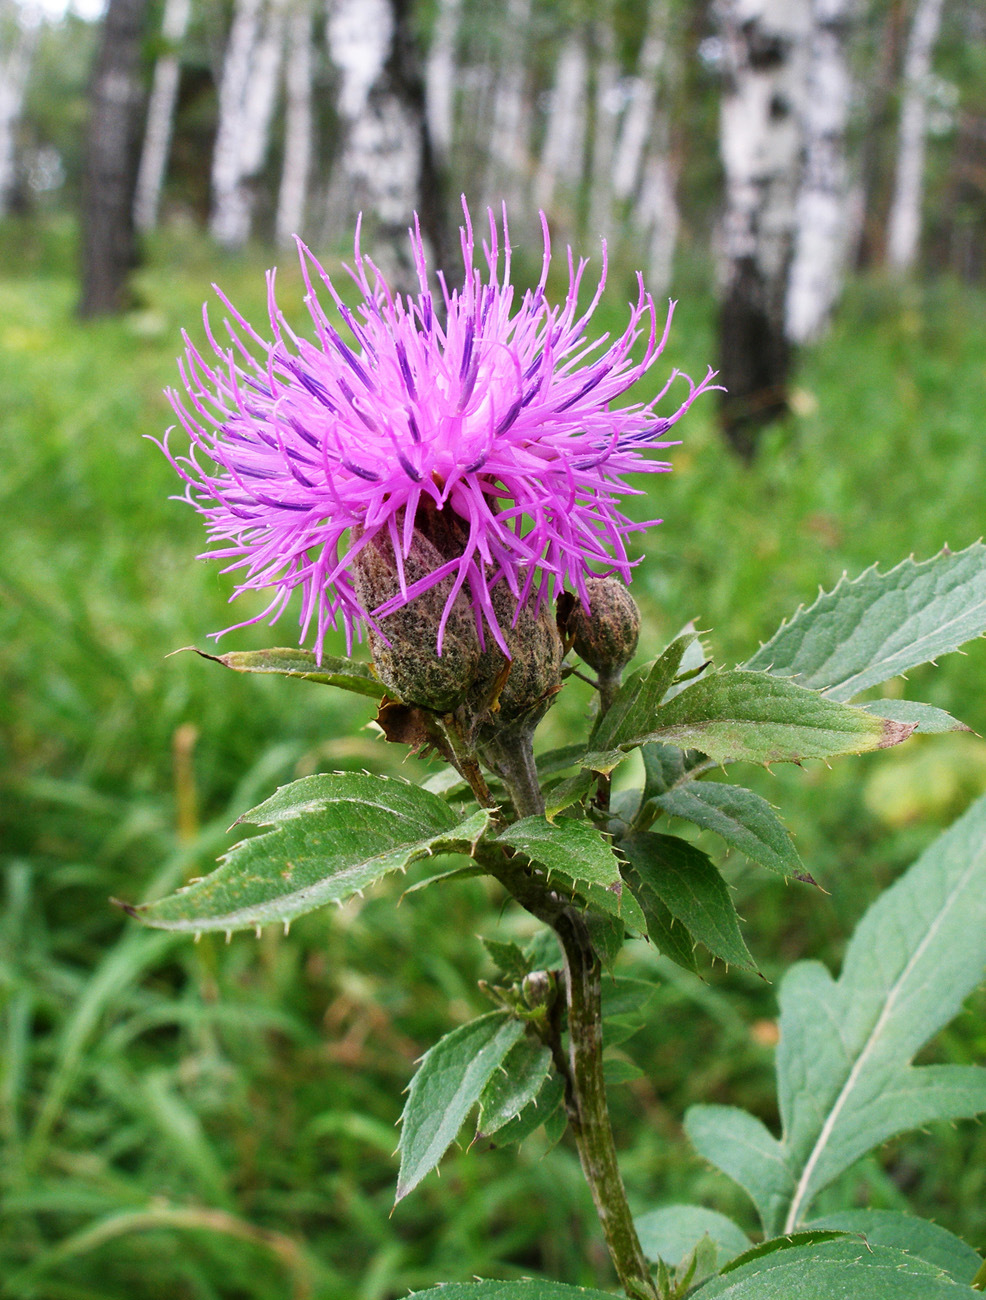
x=502 y=414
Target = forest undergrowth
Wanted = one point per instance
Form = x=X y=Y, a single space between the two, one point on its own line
x=208 y=1120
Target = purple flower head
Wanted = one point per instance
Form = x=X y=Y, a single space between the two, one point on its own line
x=304 y=452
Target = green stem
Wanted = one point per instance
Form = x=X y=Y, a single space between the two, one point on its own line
x=607 y=684
x=588 y=1111
x=510 y=754
x=582 y=1069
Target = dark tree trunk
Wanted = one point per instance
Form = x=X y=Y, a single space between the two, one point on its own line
x=406 y=76
x=764 y=45
x=116 y=100
x=754 y=355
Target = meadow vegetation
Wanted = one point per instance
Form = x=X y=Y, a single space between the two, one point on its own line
x=207 y=1121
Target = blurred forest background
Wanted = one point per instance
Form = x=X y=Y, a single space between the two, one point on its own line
x=809 y=178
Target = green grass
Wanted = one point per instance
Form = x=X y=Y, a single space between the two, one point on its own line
x=207 y=1121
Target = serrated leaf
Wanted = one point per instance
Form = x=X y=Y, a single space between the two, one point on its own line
x=537 y=1112
x=577 y=856
x=629 y=1000
x=672 y=1232
x=845 y=1267
x=694 y=661
x=555 y=761
x=756 y=718
x=925 y=1240
x=567 y=792
x=638 y=697
x=449 y=1081
x=845 y=1079
x=528 y=1289
x=333 y=836
x=514 y=1085
x=544 y=951
x=693 y=891
x=608 y=934
x=348 y=674
x=774 y=1245
x=616 y=1070
x=667 y=935
x=508 y=958
x=740 y=817
x=667 y=766
x=927 y=719
x=881 y=624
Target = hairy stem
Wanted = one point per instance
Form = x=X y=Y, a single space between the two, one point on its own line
x=510 y=754
x=588 y=1111
x=582 y=1069
x=607 y=684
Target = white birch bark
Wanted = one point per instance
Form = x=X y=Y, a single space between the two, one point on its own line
x=638 y=118
x=904 y=224
x=823 y=213
x=510 y=129
x=160 y=116
x=659 y=217
x=247 y=99
x=561 y=159
x=15 y=66
x=764 y=45
x=440 y=76
x=607 y=104
x=226 y=218
x=380 y=160
x=298 y=126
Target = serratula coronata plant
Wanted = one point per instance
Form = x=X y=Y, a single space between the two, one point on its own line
x=444 y=474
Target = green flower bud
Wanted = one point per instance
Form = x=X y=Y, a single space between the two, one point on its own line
x=535 y=659
x=604 y=635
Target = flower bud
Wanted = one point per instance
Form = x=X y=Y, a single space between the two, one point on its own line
x=535 y=658
x=604 y=635
x=407 y=662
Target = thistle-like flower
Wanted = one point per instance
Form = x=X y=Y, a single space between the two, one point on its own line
x=304 y=453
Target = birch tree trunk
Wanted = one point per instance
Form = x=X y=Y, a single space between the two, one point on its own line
x=510 y=128
x=823 y=218
x=298 y=126
x=639 y=119
x=658 y=215
x=606 y=111
x=247 y=98
x=160 y=116
x=440 y=77
x=109 y=249
x=760 y=140
x=387 y=166
x=904 y=225
x=562 y=154
x=15 y=65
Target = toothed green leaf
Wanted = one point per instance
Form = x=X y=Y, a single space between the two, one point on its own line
x=514 y=1085
x=673 y=1231
x=879 y=625
x=845 y=1079
x=577 y=858
x=740 y=817
x=692 y=890
x=754 y=717
x=348 y=674
x=843 y=1267
x=450 y=1080
x=333 y=835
